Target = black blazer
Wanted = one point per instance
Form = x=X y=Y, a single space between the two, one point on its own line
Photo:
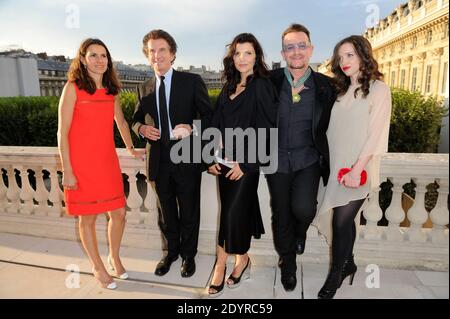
x=189 y=100
x=325 y=97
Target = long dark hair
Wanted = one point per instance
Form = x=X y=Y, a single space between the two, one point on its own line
x=79 y=75
x=231 y=76
x=368 y=66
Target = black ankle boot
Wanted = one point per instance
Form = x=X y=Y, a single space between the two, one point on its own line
x=333 y=282
x=349 y=269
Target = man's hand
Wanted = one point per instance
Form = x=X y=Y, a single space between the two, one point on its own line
x=181 y=131
x=150 y=132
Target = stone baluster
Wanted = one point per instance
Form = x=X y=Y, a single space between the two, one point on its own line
x=13 y=192
x=41 y=194
x=26 y=193
x=134 y=200
x=394 y=213
x=55 y=194
x=439 y=215
x=3 y=191
x=151 y=204
x=372 y=213
x=417 y=214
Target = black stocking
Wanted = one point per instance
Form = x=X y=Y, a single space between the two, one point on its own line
x=344 y=231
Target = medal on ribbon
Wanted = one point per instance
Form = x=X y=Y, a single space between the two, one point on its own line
x=296 y=96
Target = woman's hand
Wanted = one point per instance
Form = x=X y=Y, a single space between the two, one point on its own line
x=214 y=169
x=235 y=173
x=69 y=181
x=351 y=179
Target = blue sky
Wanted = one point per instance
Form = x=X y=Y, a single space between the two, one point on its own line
x=201 y=28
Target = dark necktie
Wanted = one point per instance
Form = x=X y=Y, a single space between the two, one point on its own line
x=164 y=125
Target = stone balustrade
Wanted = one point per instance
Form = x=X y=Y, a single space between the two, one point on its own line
x=32 y=203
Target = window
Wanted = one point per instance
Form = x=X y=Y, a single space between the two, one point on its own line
x=444 y=79
x=402 y=46
x=414 y=79
x=402 y=78
x=414 y=42
x=428 y=79
x=393 y=78
x=429 y=36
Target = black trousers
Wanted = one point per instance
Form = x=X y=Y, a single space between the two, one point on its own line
x=293 y=197
x=178 y=189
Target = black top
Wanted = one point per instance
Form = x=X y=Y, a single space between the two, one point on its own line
x=255 y=107
x=324 y=99
x=296 y=146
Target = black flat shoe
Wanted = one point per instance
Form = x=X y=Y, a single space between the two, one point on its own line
x=245 y=274
x=163 y=266
x=188 y=267
x=289 y=281
x=218 y=288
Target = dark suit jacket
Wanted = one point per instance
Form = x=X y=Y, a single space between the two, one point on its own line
x=188 y=100
x=325 y=97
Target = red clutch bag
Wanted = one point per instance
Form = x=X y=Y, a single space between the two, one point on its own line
x=345 y=170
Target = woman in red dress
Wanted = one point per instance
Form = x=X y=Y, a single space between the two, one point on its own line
x=92 y=176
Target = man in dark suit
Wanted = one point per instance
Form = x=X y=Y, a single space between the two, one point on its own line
x=305 y=102
x=167 y=106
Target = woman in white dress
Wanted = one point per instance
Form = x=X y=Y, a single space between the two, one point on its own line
x=357 y=135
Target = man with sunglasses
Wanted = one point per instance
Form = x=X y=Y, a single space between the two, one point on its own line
x=305 y=102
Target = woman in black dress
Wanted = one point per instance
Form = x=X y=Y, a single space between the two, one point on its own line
x=247 y=101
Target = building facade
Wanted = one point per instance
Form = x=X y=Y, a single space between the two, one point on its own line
x=25 y=73
x=212 y=79
x=18 y=77
x=411 y=46
x=53 y=76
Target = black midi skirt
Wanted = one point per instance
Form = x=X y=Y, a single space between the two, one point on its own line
x=240 y=216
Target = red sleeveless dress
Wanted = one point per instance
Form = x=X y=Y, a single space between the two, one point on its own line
x=93 y=156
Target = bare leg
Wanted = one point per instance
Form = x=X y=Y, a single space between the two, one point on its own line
x=116 y=227
x=89 y=240
x=219 y=269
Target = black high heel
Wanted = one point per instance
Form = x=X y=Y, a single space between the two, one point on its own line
x=245 y=274
x=217 y=288
x=332 y=283
x=348 y=269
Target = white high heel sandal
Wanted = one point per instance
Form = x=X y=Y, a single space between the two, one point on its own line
x=111 y=267
x=110 y=286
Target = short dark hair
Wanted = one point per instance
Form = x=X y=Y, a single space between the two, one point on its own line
x=295 y=27
x=159 y=34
